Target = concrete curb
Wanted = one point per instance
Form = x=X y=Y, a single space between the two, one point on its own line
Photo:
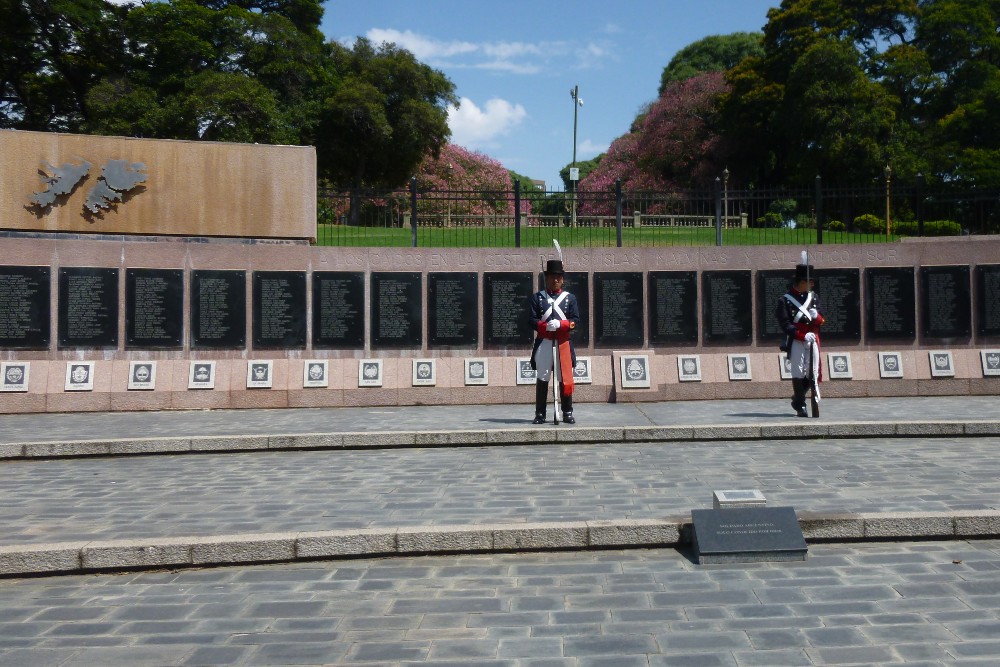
x=474 y=438
x=220 y=550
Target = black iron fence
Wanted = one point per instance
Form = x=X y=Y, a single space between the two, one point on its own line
x=718 y=216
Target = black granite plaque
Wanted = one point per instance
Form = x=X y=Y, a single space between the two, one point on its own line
x=839 y=292
x=24 y=307
x=279 y=309
x=673 y=307
x=154 y=308
x=396 y=309
x=618 y=316
x=747 y=535
x=771 y=286
x=890 y=302
x=88 y=307
x=988 y=300
x=506 y=320
x=218 y=309
x=945 y=302
x=452 y=309
x=727 y=298
x=339 y=309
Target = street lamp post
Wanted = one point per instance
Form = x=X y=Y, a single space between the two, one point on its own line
x=725 y=196
x=577 y=103
x=888 y=179
x=451 y=193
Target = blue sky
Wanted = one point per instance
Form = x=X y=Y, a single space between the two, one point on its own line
x=514 y=62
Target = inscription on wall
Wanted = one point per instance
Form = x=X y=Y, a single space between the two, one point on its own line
x=673 y=307
x=88 y=307
x=279 y=309
x=24 y=307
x=154 y=308
x=396 y=309
x=890 y=302
x=988 y=299
x=839 y=293
x=505 y=310
x=726 y=303
x=618 y=309
x=338 y=309
x=453 y=309
x=945 y=302
x=218 y=309
x=771 y=287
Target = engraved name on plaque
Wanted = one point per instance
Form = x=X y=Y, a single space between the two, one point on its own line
x=279 y=309
x=24 y=307
x=726 y=305
x=890 y=301
x=673 y=307
x=839 y=292
x=771 y=287
x=396 y=309
x=154 y=308
x=453 y=309
x=945 y=302
x=506 y=319
x=218 y=309
x=88 y=307
x=618 y=312
x=339 y=309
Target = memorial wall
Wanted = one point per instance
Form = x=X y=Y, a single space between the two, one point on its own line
x=178 y=323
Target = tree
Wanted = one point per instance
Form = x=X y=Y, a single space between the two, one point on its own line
x=483 y=178
x=716 y=53
x=585 y=167
x=384 y=114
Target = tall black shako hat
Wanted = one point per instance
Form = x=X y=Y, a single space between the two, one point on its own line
x=804 y=270
x=554 y=267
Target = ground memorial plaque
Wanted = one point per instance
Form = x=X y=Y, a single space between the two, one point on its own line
x=618 y=309
x=890 y=301
x=338 y=309
x=506 y=319
x=839 y=292
x=453 y=309
x=396 y=309
x=279 y=309
x=945 y=302
x=673 y=307
x=988 y=300
x=24 y=307
x=218 y=309
x=88 y=307
x=154 y=308
x=771 y=287
x=747 y=535
x=727 y=300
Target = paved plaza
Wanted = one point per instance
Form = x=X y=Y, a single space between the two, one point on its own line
x=924 y=598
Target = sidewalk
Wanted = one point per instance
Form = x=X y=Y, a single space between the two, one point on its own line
x=407 y=480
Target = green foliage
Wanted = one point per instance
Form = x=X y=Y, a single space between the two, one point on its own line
x=931 y=228
x=716 y=53
x=836 y=226
x=585 y=167
x=869 y=224
x=770 y=220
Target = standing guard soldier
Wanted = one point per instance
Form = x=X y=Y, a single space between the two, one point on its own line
x=798 y=315
x=554 y=316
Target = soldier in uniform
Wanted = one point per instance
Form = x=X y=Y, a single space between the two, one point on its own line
x=554 y=315
x=798 y=315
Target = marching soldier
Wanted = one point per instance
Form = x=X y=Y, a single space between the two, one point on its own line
x=799 y=317
x=554 y=315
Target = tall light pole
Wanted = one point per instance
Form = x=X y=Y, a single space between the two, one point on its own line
x=577 y=103
x=450 y=188
x=888 y=179
x=725 y=196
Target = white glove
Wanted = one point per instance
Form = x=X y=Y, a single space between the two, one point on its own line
x=810 y=338
x=552 y=325
x=813 y=314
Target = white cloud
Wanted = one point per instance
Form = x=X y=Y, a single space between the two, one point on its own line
x=589 y=149
x=422 y=47
x=474 y=127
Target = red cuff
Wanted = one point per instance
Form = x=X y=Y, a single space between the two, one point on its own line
x=564 y=324
x=541 y=327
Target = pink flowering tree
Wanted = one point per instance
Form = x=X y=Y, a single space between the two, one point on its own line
x=674 y=145
x=460 y=182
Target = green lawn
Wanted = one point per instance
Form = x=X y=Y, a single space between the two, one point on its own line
x=535 y=237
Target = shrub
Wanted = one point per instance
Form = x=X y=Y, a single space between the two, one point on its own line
x=931 y=228
x=770 y=220
x=869 y=224
x=836 y=226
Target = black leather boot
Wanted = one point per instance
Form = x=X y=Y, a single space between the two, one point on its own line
x=567 y=409
x=799 y=386
x=541 y=397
